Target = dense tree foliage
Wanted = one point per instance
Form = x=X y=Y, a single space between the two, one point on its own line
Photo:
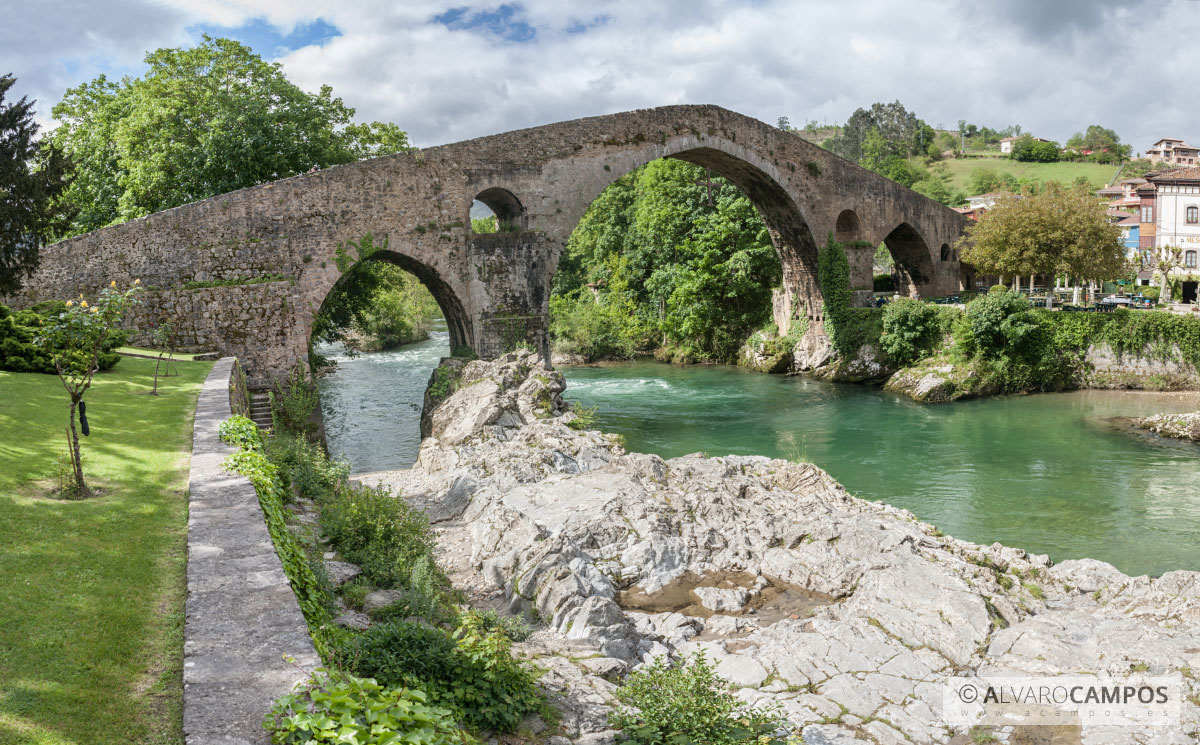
x=1026 y=148
x=1056 y=230
x=662 y=259
x=33 y=175
x=881 y=132
x=1104 y=144
x=200 y=122
x=887 y=139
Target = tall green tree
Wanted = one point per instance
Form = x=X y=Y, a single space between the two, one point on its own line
x=200 y=122
x=33 y=176
x=900 y=131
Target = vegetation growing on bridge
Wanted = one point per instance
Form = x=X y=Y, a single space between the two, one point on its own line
x=664 y=259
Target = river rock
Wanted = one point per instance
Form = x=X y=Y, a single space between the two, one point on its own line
x=341 y=572
x=565 y=523
x=1179 y=426
x=380 y=599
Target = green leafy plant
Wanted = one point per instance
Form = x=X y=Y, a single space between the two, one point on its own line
x=293 y=403
x=74 y=340
x=304 y=467
x=911 y=329
x=334 y=707
x=241 y=432
x=382 y=534
x=686 y=703
x=585 y=417
x=472 y=671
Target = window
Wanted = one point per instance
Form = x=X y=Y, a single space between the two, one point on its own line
x=1193 y=215
x=1147 y=214
x=1189 y=259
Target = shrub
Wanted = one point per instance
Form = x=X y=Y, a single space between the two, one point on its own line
x=333 y=707
x=911 y=330
x=293 y=403
x=595 y=328
x=305 y=468
x=686 y=703
x=379 y=532
x=19 y=329
x=514 y=627
x=1150 y=293
x=883 y=283
x=473 y=672
x=1001 y=323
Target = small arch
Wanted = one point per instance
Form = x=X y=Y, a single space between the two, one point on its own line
x=458 y=322
x=914 y=260
x=848 y=228
x=945 y=252
x=504 y=205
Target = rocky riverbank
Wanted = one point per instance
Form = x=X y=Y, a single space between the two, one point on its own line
x=847 y=614
x=1179 y=426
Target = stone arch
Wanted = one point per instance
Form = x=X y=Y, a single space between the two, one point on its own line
x=914 y=270
x=946 y=255
x=458 y=321
x=785 y=221
x=509 y=212
x=848 y=227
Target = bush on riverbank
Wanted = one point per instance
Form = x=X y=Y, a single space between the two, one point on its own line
x=1003 y=345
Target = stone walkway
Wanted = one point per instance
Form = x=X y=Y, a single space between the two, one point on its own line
x=242 y=617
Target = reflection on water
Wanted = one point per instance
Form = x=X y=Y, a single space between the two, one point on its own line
x=1050 y=473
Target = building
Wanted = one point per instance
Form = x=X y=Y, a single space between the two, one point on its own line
x=1173 y=152
x=1006 y=144
x=1170 y=216
x=983 y=201
x=1130 y=226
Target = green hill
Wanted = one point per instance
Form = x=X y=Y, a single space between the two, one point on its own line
x=1097 y=174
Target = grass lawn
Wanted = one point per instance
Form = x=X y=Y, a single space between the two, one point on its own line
x=92 y=592
x=1097 y=174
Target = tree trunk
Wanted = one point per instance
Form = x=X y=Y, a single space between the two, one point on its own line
x=76 y=459
x=156 y=364
x=1164 y=292
x=1017 y=283
x=1075 y=294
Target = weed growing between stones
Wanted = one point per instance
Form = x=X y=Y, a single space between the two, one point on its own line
x=687 y=703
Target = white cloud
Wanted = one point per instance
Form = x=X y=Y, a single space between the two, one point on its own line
x=1053 y=67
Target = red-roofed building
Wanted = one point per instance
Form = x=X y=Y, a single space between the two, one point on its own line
x=1173 y=151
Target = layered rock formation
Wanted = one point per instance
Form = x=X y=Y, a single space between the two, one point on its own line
x=847 y=614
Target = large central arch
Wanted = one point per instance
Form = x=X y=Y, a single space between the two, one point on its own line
x=244 y=273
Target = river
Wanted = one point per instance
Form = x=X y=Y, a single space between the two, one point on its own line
x=1050 y=473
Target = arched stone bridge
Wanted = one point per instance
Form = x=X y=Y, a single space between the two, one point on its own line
x=244 y=273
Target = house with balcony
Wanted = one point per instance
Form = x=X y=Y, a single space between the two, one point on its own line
x=1173 y=152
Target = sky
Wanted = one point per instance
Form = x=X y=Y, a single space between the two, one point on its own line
x=452 y=71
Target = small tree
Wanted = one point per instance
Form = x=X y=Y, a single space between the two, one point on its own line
x=1164 y=260
x=162 y=337
x=74 y=339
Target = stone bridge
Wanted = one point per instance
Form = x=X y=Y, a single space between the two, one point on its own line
x=244 y=273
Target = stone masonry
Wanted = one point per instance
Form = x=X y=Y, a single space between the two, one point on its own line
x=275 y=247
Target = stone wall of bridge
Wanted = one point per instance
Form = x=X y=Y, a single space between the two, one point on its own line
x=274 y=251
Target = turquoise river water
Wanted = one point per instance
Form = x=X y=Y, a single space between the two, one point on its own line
x=1051 y=473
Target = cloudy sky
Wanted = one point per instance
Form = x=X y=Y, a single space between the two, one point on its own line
x=452 y=71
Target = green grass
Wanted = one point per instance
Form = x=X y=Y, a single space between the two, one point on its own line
x=91 y=592
x=1096 y=173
